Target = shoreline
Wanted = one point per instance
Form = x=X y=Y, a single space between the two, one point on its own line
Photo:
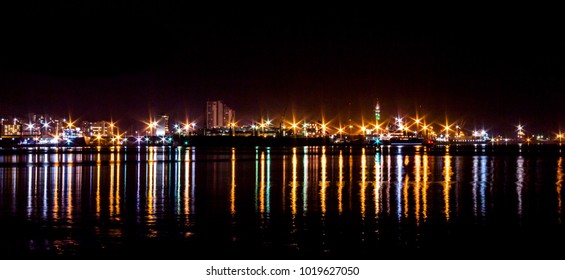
x=433 y=149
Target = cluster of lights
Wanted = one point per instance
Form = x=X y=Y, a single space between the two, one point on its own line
x=408 y=126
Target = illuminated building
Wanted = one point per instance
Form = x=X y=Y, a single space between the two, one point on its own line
x=218 y=115
x=162 y=125
x=101 y=128
x=11 y=128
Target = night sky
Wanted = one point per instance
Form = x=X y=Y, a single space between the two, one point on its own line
x=100 y=60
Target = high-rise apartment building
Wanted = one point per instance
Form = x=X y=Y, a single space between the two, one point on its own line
x=218 y=115
x=162 y=125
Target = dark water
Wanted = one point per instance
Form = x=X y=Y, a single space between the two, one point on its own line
x=262 y=203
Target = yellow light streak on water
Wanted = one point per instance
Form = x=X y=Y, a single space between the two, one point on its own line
x=447 y=185
x=405 y=189
x=67 y=169
x=262 y=184
x=305 y=181
x=323 y=182
x=117 y=203
x=425 y=188
x=340 y=183
x=232 y=191
x=294 y=184
x=363 y=183
x=112 y=186
x=559 y=186
x=417 y=186
x=151 y=185
x=378 y=184
x=56 y=192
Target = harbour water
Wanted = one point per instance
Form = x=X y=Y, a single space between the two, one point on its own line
x=314 y=202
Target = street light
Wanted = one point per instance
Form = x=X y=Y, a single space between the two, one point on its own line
x=377 y=128
x=425 y=129
x=417 y=121
x=446 y=128
x=30 y=127
x=151 y=125
x=294 y=126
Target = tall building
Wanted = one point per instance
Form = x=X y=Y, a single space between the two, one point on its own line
x=162 y=127
x=218 y=115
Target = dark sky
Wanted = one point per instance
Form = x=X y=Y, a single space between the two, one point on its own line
x=127 y=60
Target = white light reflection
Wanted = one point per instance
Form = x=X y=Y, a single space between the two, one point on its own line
x=399 y=185
x=187 y=188
x=30 y=194
x=405 y=189
x=483 y=186
x=475 y=173
x=45 y=195
x=519 y=184
x=388 y=183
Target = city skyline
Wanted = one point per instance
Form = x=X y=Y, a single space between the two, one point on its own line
x=130 y=61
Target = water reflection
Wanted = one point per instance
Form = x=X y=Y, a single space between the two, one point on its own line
x=233 y=184
x=313 y=194
x=519 y=184
x=363 y=183
x=559 y=186
x=305 y=180
x=447 y=173
x=378 y=185
x=399 y=185
x=479 y=186
x=405 y=189
x=340 y=183
x=294 y=184
x=417 y=186
x=323 y=182
x=425 y=183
